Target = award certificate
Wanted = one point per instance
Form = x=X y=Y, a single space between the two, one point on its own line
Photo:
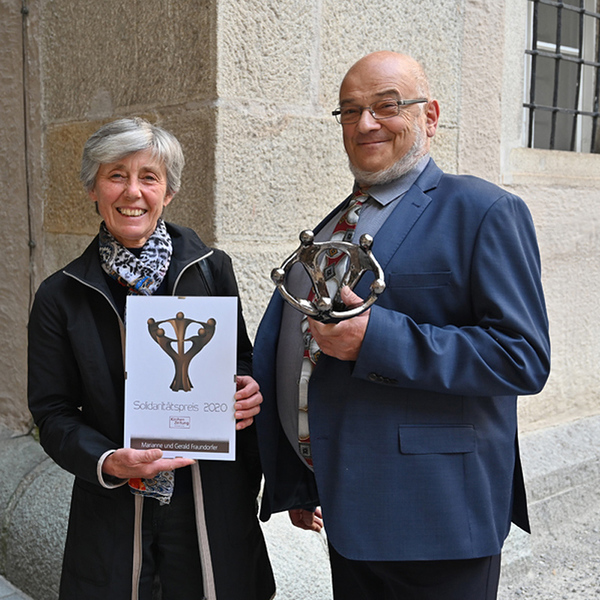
x=181 y=363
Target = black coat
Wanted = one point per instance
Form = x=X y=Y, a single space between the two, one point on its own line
x=76 y=395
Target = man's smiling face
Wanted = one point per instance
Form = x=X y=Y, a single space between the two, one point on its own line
x=376 y=145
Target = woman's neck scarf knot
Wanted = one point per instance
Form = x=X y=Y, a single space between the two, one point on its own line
x=141 y=276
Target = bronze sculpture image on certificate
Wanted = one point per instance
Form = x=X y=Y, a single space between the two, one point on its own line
x=175 y=347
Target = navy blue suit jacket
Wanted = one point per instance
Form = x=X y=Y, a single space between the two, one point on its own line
x=415 y=444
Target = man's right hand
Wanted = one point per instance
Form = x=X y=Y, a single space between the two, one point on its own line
x=127 y=463
x=342 y=340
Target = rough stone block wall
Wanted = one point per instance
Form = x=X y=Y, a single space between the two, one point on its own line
x=248 y=87
x=280 y=163
x=102 y=61
x=14 y=223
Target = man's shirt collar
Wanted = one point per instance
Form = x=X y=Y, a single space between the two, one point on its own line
x=388 y=192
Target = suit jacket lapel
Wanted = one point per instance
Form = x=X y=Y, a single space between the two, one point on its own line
x=398 y=225
x=394 y=231
x=337 y=209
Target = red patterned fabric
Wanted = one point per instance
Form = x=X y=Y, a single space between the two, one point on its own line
x=333 y=269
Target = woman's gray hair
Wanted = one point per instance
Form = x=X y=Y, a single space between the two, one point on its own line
x=120 y=138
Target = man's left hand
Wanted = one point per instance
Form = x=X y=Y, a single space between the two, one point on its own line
x=342 y=340
x=307 y=519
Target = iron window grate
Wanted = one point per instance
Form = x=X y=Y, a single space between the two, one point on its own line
x=581 y=113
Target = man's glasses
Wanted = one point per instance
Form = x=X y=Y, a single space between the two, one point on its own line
x=385 y=109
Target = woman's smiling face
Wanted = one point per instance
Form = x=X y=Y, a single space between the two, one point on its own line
x=131 y=194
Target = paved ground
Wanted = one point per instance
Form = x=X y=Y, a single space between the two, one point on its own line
x=9 y=592
x=559 y=561
x=562 y=565
x=566 y=566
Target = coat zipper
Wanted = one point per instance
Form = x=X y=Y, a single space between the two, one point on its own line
x=201 y=526
x=187 y=267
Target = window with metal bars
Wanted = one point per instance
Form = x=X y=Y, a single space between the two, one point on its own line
x=563 y=75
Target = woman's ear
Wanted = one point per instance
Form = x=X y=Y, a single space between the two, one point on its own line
x=94 y=198
x=167 y=199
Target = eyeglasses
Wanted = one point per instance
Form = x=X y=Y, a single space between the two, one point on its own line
x=385 y=109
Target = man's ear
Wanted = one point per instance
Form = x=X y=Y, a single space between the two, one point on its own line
x=432 y=116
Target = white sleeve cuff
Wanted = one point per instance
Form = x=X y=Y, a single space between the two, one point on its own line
x=108 y=481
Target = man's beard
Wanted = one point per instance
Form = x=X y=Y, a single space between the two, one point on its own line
x=399 y=168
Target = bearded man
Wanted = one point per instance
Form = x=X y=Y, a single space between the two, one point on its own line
x=400 y=424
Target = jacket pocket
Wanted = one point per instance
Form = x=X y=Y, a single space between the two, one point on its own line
x=419 y=280
x=92 y=544
x=436 y=439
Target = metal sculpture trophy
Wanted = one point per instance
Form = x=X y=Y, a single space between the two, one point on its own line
x=312 y=256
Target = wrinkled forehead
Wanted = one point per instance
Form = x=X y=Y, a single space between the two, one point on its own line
x=147 y=159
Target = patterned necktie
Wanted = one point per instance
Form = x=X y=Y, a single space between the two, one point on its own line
x=333 y=270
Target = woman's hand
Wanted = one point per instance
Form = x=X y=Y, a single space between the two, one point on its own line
x=248 y=399
x=127 y=463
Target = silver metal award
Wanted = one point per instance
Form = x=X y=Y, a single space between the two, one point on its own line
x=313 y=257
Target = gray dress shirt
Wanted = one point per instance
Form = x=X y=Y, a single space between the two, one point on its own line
x=383 y=199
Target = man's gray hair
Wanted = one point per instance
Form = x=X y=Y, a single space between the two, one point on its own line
x=120 y=138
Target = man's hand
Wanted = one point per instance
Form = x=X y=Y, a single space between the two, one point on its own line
x=127 y=463
x=306 y=519
x=248 y=401
x=342 y=340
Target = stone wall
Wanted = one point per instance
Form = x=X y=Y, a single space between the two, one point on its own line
x=280 y=161
x=561 y=190
x=248 y=87
x=14 y=221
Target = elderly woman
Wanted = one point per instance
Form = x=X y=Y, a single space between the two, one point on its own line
x=140 y=522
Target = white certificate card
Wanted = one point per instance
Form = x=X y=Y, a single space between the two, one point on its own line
x=180 y=363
